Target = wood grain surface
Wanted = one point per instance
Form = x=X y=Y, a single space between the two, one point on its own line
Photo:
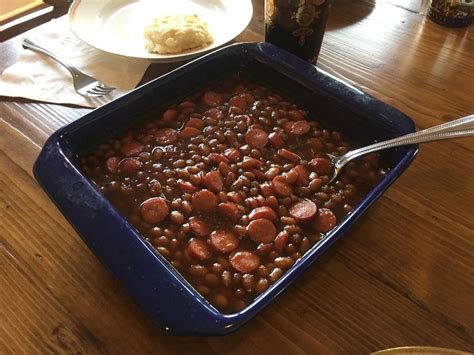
x=402 y=276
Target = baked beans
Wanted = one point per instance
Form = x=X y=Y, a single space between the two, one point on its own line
x=230 y=185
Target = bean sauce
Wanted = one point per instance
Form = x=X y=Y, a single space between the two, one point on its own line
x=230 y=185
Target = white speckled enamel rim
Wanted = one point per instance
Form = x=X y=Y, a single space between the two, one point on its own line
x=116 y=26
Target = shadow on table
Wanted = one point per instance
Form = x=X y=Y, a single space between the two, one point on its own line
x=345 y=13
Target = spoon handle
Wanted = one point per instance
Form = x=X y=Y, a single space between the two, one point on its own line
x=462 y=127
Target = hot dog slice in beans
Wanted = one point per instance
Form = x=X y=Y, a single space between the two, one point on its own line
x=281 y=241
x=325 y=220
x=195 y=123
x=303 y=211
x=276 y=140
x=129 y=166
x=154 y=210
x=256 y=138
x=204 y=201
x=322 y=166
x=262 y=230
x=244 y=261
x=288 y=155
x=198 y=249
x=300 y=127
x=212 y=98
x=111 y=164
x=232 y=154
x=170 y=115
x=186 y=186
x=229 y=210
x=188 y=132
x=166 y=136
x=131 y=149
x=224 y=241
x=213 y=181
x=303 y=176
x=263 y=212
x=281 y=186
x=199 y=227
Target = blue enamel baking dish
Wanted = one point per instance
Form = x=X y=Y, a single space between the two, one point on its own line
x=164 y=295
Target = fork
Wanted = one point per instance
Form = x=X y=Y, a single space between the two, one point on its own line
x=84 y=84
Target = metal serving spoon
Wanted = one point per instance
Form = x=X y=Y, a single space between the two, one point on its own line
x=462 y=127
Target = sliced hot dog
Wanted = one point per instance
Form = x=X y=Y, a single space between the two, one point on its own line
x=322 y=166
x=170 y=115
x=188 y=132
x=224 y=241
x=131 y=149
x=303 y=176
x=281 y=186
x=213 y=181
x=263 y=212
x=166 y=136
x=199 y=227
x=195 y=123
x=198 y=249
x=111 y=164
x=129 y=166
x=303 y=211
x=300 y=127
x=281 y=240
x=288 y=155
x=204 y=201
x=232 y=154
x=229 y=210
x=154 y=210
x=276 y=140
x=186 y=186
x=325 y=220
x=256 y=138
x=212 y=98
x=262 y=230
x=244 y=261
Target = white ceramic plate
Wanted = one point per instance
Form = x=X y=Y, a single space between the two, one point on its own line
x=117 y=26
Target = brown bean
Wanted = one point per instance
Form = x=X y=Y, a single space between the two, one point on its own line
x=220 y=300
x=198 y=270
x=283 y=262
x=248 y=282
x=275 y=275
x=177 y=217
x=226 y=278
x=261 y=286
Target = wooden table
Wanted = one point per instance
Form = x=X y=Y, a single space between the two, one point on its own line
x=402 y=276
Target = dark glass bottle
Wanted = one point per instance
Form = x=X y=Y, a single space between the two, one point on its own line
x=296 y=25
